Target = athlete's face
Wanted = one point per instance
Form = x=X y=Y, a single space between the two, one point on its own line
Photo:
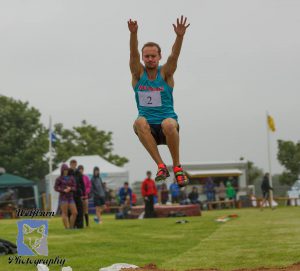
x=151 y=57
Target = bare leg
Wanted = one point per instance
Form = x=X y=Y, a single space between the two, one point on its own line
x=98 y=213
x=143 y=130
x=170 y=130
x=270 y=199
x=85 y=204
x=263 y=202
x=74 y=213
x=64 y=215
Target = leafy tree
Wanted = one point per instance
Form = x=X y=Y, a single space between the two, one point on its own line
x=289 y=156
x=23 y=139
x=254 y=172
x=85 y=140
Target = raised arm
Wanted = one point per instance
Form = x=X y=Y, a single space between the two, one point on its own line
x=170 y=67
x=136 y=67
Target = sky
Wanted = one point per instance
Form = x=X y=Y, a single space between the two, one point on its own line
x=240 y=58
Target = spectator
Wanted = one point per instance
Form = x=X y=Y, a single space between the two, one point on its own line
x=124 y=192
x=73 y=168
x=235 y=185
x=222 y=193
x=194 y=195
x=183 y=197
x=78 y=197
x=164 y=194
x=20 y=203
x=98 y=194
x=85 y=198
x=66 y=186
x=7 y=199
x=265 y=188
x=107 y=193
x=124 y=209
x=134 y=199
x=210 y=189
x=117 y=197
x=175 y=191
x=230 y=191
x=149 y=191
x=113 y=197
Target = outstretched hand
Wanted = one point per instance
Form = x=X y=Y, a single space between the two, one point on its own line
x=132 y=26
x=180 y=28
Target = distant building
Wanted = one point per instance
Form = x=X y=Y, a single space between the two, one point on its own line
x=235 y=172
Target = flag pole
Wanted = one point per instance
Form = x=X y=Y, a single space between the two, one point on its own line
x=269 y=157
x=50 y=145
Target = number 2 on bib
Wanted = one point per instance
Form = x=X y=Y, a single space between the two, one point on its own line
x=149 y=98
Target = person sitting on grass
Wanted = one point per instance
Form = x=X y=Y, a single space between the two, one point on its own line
x=124 y=210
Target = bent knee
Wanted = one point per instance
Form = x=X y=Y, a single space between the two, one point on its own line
x=169 y=126
x=141 y=125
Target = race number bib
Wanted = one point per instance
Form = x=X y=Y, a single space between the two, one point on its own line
x=149 y=98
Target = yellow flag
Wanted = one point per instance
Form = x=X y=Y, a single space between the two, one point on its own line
x=271 y=124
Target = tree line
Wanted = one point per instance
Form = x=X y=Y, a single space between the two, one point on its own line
x=24 y=141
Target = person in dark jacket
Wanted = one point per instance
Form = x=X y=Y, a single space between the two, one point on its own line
x=164 y=194
x=78 y=197
x=72 y=167
x=98 y=194
x=266 y=188
x=194 y=195
x=66 y=186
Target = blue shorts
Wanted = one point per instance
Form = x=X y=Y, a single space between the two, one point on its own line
x=67 y=201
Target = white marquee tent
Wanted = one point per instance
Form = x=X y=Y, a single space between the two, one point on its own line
x=114 y=176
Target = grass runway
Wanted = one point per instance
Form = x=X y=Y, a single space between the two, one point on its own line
x=254 y=239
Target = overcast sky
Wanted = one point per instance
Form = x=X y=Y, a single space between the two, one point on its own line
x=69 y=59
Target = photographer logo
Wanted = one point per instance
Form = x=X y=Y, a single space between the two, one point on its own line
x=32 y=237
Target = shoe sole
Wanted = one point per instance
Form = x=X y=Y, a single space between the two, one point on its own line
x=161 y=178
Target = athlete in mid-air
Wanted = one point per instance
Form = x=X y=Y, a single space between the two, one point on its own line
x=153 y=86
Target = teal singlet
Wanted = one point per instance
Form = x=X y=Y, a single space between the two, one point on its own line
x=154 y=99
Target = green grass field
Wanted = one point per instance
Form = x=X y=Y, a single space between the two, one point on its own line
x=268 y=238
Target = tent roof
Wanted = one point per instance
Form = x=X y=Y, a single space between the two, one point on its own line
x=13 y=180
x=214 y=173
x=211 y=166
x=91 y=161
